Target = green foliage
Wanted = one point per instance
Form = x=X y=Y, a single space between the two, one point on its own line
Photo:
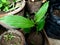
x=4 y=1
x=0 y=5
x=9 y=36
x=40 y=24
x=14 y=0
x=17 y=21
x=6 y=5
x=40 y=16
x=27 y=30
x=21 y=22
x=41 y=12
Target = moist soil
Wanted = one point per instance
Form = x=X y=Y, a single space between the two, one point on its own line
x=35 y=39
x=15 y=41
x=2 y=29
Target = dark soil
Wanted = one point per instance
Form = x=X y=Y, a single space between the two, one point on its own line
x=35 y=39
x=7 y=40
x=56 y=12
x=2 y=29
x=14 y=41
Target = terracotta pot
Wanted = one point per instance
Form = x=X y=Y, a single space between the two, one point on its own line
x=46 y=38
x=18 y=38
x=5 y=25
x=14 y=11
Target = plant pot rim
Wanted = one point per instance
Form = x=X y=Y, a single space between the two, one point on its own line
x=16 y=32
x=16 y=10
x=46 y=38
x=42 y=1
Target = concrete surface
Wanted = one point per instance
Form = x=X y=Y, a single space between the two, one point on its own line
x=54 y=41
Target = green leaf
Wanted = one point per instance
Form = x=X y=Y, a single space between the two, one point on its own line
x=1 y=5
x=27 y=30
x=41 y=24
x=8 y=2
x=4 y=1
x=6 y=9
x=41 y=13
x=14 y=0
x=17 y=21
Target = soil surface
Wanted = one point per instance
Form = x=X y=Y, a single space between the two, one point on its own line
x=2 y=29
x=35 y=39
x=14 y=41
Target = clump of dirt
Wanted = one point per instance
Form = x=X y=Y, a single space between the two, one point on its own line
x=35 y=39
